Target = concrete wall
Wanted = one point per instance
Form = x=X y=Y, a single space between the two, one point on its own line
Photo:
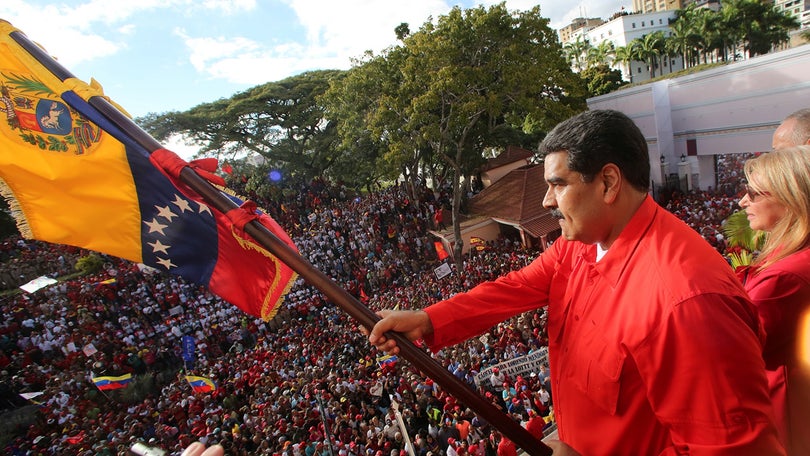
x=731 y=109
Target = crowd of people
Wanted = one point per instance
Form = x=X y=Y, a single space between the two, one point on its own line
x=305 y=382
x=302 y=384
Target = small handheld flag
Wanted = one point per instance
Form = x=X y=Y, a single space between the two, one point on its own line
x=112 y=383
x=201 y=384
x=386 y=360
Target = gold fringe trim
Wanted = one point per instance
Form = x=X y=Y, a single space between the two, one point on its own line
x=16 y=210
x=268 y=309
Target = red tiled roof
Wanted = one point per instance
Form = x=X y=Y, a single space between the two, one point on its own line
x=541 y=225
x=517 y=198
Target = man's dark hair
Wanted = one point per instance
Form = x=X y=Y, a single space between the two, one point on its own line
x=596 y=138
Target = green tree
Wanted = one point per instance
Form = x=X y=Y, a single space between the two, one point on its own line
x=459 y=85
x=651 y=48
x=681 y=40
x=756 y=25
x=576 y=52
x=280 y=121
x=626 y=55
x=369 y=106
x=601 y=54
x=485 y=68
x=89 y=264
x=601 y=79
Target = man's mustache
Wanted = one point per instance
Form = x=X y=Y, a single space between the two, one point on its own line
x=556 y=213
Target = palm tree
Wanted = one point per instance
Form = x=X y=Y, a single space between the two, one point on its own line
x=625 y=55
x=756 y=25
x=576 y=50
x=731 y=21
x=705 y=26
x=650 y=47
x=681 y=40
x=603 y=53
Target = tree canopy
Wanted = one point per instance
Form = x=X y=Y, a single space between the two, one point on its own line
x=473 y=79
x=470 y=81
x=280 y=121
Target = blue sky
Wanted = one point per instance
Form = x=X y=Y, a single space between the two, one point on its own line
x=167 y=55
x=172 y=55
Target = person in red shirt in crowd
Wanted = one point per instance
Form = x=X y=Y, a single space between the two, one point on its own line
x=647 y=324
x=506 y=447
x=777 y=202
x=535 y=425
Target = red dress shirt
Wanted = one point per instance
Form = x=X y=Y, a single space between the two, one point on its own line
x=653 y=350
x=781 y=293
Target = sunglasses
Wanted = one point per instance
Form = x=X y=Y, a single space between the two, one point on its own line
x=753 y=194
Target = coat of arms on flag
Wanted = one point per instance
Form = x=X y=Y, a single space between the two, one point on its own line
x=77 y=174
x=35 y=115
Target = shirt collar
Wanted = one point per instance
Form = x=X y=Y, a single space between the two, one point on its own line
x=614 y=263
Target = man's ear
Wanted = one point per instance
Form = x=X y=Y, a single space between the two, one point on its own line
x=611 y=178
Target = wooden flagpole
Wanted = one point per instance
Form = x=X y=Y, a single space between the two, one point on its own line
x=362 y=314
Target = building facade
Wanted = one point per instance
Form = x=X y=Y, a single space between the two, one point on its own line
x=689 y=120
x=623 y=29
x=800 y=9
x=576 y=25
x=650 y=6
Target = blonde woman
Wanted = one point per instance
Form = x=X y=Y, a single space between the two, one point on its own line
x=777 y=201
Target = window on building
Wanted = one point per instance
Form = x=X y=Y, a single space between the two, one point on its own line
x=610 y=32
x=642 y=23
x=634 y=25
x=660 y=21
x=639 y=69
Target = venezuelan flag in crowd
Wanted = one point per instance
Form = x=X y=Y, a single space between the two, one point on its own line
x=112 y=383
x=387 y=359
x=201 y=384
x=75 y=174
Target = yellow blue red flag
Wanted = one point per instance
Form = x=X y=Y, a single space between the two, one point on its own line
x=74 y=176
x=112 y=383
x=387 y=359
x=201 y=384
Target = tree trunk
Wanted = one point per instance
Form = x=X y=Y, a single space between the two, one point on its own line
x=458 y=246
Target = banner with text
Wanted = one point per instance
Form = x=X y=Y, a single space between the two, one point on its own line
x=522 y=365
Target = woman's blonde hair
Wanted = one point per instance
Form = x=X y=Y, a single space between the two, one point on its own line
x=785 y=175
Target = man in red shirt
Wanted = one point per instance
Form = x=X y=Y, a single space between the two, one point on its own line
x=654 y=348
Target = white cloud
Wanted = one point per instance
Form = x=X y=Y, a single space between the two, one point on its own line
x=335 y=33
x=127 y=29
x=242 y=61
x=229 y=6
x=94 y=29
